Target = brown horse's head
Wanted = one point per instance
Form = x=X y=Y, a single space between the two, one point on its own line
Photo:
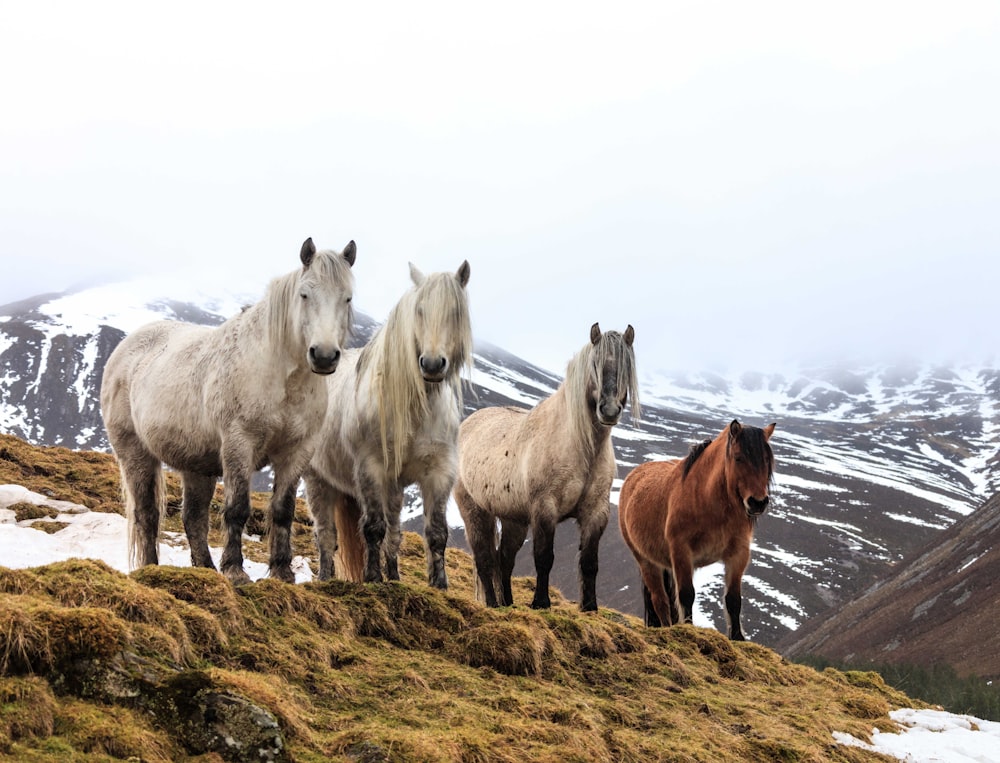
x=750 y=466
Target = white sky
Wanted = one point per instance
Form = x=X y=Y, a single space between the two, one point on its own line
x=748 y=184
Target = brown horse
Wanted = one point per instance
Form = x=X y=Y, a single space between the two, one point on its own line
x=679 y=515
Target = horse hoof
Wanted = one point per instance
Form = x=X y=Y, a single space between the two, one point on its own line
x=546 y=604
x=283 y=574
x=237 y=576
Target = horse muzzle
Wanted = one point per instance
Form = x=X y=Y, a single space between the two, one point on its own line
x=609 y=413
x=323 y=362
x=433 y=368
x=756 y=506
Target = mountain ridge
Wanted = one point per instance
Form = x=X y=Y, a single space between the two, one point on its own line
x=870 y=463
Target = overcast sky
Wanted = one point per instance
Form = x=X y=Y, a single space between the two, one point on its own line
x=747 y=184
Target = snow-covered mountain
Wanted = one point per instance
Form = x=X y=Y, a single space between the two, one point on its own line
x=871 y=462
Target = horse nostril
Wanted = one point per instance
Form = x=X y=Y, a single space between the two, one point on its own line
x=323 y=360
x=431 y=365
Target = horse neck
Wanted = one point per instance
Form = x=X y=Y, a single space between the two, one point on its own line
x=710 y=470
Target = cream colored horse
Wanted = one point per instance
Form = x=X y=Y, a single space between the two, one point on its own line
x=226 y=401
x=393 y=421
x=535 y=468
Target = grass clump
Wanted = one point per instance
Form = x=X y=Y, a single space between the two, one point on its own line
x=101 y=665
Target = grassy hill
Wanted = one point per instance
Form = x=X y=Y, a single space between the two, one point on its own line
x=174 y=663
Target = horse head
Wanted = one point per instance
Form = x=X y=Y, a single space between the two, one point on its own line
x=750 y=466
x=614 y=374
x=322 y=312
x=441 y=326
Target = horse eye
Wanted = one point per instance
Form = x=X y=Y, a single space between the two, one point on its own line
x=304 y=295
x=350 y=298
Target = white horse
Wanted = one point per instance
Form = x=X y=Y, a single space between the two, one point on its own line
x=534 y=468
x=226 y=401
x=393 y=418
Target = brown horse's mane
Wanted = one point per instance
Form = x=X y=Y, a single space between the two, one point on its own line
x=696 y=450
x=756 y=450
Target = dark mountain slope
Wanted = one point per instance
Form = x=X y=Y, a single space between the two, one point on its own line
x=937 y=606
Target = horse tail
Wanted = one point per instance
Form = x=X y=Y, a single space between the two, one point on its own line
x=351 y=547
x=135 y=530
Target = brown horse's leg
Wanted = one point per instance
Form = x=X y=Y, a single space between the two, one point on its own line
x=735 y=566
x=657 y=607
x=684 y=582
x=543 y=532
x=321 y=497
x=237 y=468
x=512 y=535
x=671 y=589
x=198 y=492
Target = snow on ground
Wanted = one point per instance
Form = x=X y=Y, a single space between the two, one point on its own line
x=924 y=735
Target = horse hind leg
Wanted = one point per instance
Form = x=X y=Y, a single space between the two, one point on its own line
x=512 y=535
x=393 y=536
x=198 y=492
x=655 y=599
x=480 y=532
x=144 y=491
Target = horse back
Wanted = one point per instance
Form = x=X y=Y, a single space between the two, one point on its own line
x=643 y=507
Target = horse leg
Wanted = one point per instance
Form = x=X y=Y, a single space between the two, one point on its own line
x=321 y=497
x=281 y=515
x=237 y=467
x=735 y=566
x=684 y=583
x=435 y=489
x=512 y=535
x=657 y=607
x=650 y=618
x=198 y=492
x=671 y=589
x=543 y=532
x=372 y=498
x=393 y=535
x=480 y=532
x=592 y=525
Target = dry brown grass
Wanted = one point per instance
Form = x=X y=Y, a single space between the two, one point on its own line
x=400 y=671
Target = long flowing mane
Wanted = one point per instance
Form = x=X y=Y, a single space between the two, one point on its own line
x=283 y=293
x=586 y=366
x=391 y=356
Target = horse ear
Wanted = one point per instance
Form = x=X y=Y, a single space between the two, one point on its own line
x=351 y=252
x=416 y=276
x=629 y=335
x=769 y=430
x=735 y=428
x=595 y=333
x=308 y=252
x=463 y=273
